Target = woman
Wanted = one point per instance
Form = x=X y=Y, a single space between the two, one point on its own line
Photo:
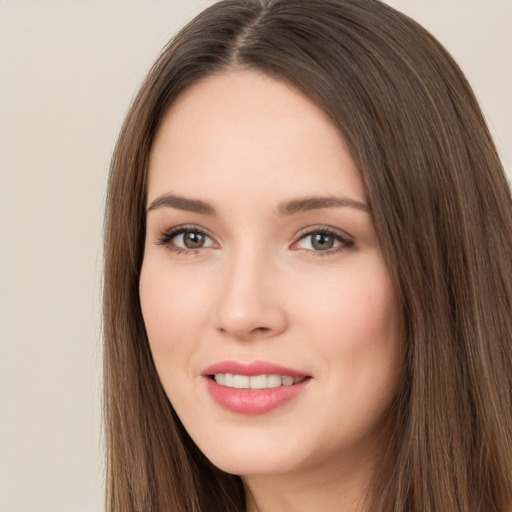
x=307 y=272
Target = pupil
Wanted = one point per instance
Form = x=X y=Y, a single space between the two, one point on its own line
x=193 y=240
x=322 y=242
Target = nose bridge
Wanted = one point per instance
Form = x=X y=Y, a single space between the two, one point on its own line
x=249 y=303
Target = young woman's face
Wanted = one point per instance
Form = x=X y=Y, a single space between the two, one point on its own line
x=270 y=313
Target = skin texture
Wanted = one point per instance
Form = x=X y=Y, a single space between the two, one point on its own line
x=259 y=290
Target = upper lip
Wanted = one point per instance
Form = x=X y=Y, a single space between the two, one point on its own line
x=252 y=369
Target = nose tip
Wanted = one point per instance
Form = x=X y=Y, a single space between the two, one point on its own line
x=250 y=323
x=249 y=307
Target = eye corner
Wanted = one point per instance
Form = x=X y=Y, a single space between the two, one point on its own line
x=168 y=239
x=337 y=241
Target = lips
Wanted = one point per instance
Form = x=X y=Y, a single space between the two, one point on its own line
x=253 y=388
x=251 y=369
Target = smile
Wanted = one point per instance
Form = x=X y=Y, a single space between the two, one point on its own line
x=256 y=381
x=252 y=388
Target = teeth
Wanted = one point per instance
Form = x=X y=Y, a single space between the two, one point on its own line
x=287 y=381
x=274 y=381
x=255 y=382
x=228 y=380
x=258 y=382
x=240 y=381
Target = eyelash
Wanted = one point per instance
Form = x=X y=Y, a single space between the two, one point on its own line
x=167 y=236
x=345 y=242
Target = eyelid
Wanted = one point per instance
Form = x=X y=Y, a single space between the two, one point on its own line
x=346 y=240
x=167 y=235
x=324 y=229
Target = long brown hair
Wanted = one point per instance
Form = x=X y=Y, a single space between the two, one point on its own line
x=443 y=213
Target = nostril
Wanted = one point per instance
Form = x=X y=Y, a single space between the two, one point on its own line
x=261 y=329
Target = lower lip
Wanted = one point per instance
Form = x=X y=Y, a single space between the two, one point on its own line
x=253 y=401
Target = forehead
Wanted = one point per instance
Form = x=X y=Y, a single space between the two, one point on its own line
x=244 y=131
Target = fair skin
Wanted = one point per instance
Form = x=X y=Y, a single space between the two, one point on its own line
x=257 y=274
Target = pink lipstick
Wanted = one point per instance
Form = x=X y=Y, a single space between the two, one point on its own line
x=253 y=388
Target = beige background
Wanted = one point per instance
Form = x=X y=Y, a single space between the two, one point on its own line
x=68 y=71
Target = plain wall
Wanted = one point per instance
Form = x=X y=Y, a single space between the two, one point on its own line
x=68 y=71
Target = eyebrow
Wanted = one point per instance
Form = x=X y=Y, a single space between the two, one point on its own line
x=315 y=203
x=181 y=203
x=287 y=208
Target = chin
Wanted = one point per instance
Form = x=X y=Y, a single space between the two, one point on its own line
x=250 y=458
x=250 y=466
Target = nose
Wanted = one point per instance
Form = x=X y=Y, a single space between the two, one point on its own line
x=250 y=304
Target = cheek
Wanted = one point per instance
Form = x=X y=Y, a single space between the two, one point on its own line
x=357 y=310
x=357 y=325
x=171 y=308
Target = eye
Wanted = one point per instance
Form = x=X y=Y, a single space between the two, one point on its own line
x=184 y=238
x=191 y=240
x=323 y=241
